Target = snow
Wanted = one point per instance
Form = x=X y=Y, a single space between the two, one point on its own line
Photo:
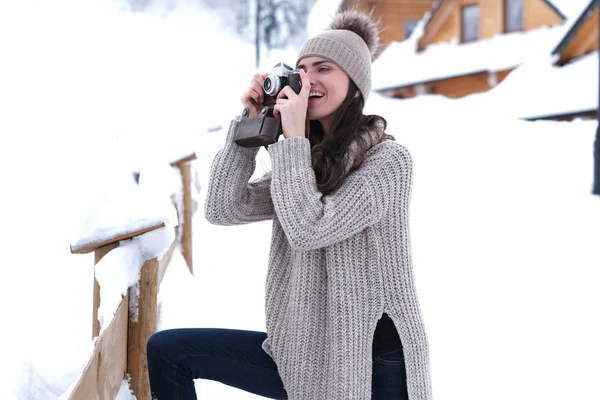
x=125 y=392
x=130 y=210
x=504 y=228
x=550 y=89
x=400 y=65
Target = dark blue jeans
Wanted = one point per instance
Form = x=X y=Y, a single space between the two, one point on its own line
x=236 y=358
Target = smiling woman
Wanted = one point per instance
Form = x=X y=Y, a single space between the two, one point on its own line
x=342 y=313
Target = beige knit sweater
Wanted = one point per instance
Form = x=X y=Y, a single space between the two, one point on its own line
x=337 y=262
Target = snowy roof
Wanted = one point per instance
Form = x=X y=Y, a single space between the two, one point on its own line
x=400 y=65
x=574 y=24
x=434 y=11
x=538 y=89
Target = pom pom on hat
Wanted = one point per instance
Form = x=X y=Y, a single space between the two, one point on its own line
x=362 y=25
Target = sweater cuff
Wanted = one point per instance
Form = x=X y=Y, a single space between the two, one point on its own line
x=293 y=153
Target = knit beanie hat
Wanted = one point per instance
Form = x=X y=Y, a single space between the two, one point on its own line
x=351 y=42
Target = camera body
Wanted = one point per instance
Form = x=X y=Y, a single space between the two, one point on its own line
x=280 y=76
x=265 y=129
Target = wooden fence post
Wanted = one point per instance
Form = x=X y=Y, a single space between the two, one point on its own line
x=186 y=234
x=141 y=327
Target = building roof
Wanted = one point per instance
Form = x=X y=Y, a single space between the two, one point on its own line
x=540 y=90
x=555 y=9
x=434 y=10
x=400 y=65
x=574 y=25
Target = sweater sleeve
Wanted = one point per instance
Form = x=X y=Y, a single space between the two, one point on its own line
x=231 y=198
x=311 y=220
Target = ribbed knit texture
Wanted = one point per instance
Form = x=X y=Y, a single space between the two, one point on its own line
x=336 y=263
x=348 y=50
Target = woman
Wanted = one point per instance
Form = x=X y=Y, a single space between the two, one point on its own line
x=343 y=319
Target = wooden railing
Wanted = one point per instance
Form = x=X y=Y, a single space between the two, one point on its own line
x=120 y=349
x=187 y=207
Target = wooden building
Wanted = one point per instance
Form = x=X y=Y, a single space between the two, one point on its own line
x=474 y=24
x=470 y=20
x=398 y=17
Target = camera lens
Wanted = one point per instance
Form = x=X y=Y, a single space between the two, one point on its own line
x=272 y=85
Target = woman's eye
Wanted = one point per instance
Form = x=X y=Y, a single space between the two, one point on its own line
x=323 y=69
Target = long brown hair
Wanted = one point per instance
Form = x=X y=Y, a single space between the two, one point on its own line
x=349 y=124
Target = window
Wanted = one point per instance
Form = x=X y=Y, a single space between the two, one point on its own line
x=409 y=27
x=513 y=15
x=470 y=23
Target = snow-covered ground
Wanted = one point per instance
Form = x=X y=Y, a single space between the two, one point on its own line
x=505 y=231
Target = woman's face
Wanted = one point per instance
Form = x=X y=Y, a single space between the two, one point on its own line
x=328 y=88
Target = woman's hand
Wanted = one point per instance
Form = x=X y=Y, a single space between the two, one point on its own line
x=291 y=108
x=254 y=96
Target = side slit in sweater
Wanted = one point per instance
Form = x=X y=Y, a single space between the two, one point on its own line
x=386 y=339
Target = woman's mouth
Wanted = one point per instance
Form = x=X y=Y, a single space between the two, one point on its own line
x=315 y=97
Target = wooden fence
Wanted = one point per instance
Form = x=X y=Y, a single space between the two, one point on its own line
x=121 y=348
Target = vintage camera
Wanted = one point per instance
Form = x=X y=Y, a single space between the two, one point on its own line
x=282 y=75
x=265 y=129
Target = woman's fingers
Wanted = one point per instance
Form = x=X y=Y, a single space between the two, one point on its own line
x=257 y=88
x=291 y=109
x=256 y=95
x=286 y=92
x=283 y=100
x=305 y=91
x=260 y=78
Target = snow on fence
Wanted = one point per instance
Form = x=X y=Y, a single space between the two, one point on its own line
x=133 y=239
